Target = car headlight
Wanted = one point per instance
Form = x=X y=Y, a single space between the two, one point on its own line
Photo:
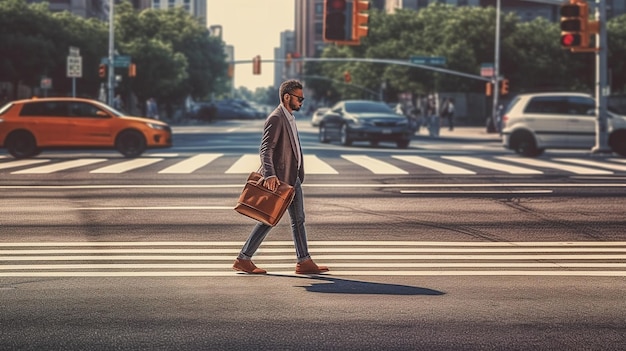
x=156 y=126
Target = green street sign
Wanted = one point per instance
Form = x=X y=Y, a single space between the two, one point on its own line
x=118 y=61
x=428 y=60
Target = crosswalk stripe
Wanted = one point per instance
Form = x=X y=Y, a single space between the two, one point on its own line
x=475 y=161
x=554 y=165
x=592 y=163
x=440 y=167
x=374 y=165
x=346 y=258
x=127 y=165
x=61 y=166
x=245 y=164
x=20 y=163
x=314 y=165
x=191 y=164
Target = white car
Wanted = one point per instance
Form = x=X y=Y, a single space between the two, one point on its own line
x=535 y=122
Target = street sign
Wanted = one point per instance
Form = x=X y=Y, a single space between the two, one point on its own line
x=74 y=51
x=46 y=83
x=74 y=66
x=428 y=60
x=486 y=70
x=118 y=61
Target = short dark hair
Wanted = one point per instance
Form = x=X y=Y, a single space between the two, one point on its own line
x=288 y=86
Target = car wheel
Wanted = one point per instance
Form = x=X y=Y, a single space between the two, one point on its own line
x=617 y=142
x=403 y=144
x=345 y=139
x=130 y=143
x=323 y=135
x=22 y=144
x=524 y=144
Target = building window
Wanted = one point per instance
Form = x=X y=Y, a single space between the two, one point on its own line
x=187 y=5
x=463 y=2
x=171 y=3
x=155 y=4
x=319 y=9
x=422 y=4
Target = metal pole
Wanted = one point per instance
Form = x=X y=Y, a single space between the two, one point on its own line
x=602 y=89
x=496 y=68
x=110 y=68
x=73 y=87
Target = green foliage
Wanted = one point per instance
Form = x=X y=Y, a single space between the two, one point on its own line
x=174 y=54
x=530 y=53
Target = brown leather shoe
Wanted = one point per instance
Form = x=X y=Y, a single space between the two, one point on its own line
x=247 y=266
x=309 y=267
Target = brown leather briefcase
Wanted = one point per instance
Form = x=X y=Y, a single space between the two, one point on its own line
x=262 y=204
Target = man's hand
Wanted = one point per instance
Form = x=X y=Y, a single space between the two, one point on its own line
x=271 y=183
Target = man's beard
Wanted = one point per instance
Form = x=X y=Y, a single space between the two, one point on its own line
x=294 y=107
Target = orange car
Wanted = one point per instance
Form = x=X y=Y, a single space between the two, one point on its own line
x=29 y=126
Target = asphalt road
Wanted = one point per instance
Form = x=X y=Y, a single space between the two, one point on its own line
x=420 y=259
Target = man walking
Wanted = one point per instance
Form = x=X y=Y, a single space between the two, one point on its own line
x=281 y=161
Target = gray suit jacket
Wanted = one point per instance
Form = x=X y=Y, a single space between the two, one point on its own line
x=278 y=150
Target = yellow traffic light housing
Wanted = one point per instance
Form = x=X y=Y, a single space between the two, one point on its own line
x=256 y=64
x=102 y=70
x=347 y=77
x=132 y=70
x=504 y=87
x=360 y=19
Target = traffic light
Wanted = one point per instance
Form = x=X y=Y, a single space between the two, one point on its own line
x=360 y=20
x=576 y=28
x=574 y=18
x=337 y=21
x=256 y=64
x=231 y=70
x=288 y=60
x=488 y=88
x=346 y=77
x=132 y=70
x=504 y=87
x=102 y=70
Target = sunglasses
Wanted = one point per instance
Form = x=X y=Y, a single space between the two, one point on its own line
x=300 y=98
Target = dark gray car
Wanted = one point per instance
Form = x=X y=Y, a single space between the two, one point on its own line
x=363 y=120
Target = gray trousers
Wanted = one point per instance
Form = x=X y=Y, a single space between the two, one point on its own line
x=296 y=215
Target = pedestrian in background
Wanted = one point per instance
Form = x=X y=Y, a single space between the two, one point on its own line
x=282 y=161
x=152 y=110
x=447 y=112
x=433 y=117
x=118 y=103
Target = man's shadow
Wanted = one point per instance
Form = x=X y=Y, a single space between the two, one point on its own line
x=333 y=285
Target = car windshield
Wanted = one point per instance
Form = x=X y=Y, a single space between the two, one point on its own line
x=367 y=106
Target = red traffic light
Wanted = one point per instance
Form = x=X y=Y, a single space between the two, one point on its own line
x=571 y=40
x=336 y=5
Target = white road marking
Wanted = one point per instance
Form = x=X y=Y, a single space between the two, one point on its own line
x=191 y=164
x=554 y=165
x=374 y=165
x=61 y=166
x=127 y=165
x=21 y=163
x=346 y=258
x=314 y=165
x=440 y=167
x=245 y=164
x=593 y=163
x=502 y=167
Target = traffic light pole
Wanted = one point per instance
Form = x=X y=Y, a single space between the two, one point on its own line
x=110 y=69
x=496 y=68
x=602 y=88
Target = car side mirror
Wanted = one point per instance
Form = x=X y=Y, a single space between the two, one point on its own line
x=103 y=114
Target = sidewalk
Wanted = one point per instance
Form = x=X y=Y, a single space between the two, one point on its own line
x=460 y=134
